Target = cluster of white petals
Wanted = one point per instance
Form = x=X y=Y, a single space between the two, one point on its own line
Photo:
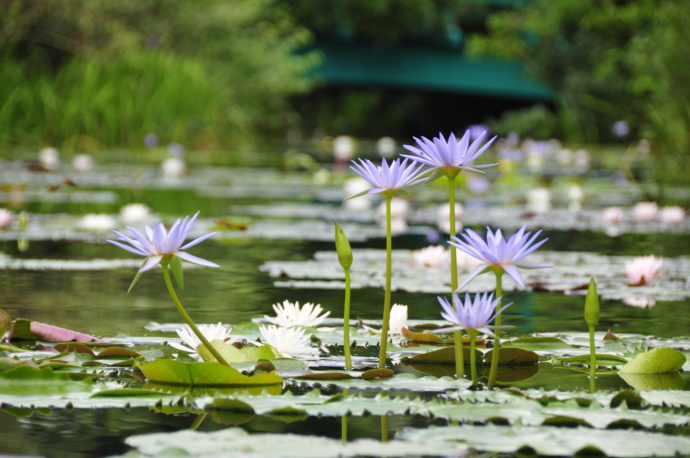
x=645 y=211
x=288 y=342
x=640 y=302
x=135 y=213
x=98 y=222
x=643 y=269
x=431 y=256
x=6 y=217
x=190 y=342
x=398 y=319
x=289 y=314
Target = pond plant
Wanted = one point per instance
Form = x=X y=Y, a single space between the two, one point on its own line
x=388 y=180
x=286 y=367
x=450 y=157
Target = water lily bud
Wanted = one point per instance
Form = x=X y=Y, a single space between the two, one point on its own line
x=342 y=246
x=592 y=304
x=23 y=220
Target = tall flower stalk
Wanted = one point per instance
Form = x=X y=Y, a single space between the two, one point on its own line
x=388 y=180
x=499 y=256
x=592 y=311
x=342 y=247
x=451 y=157
x=164 y=247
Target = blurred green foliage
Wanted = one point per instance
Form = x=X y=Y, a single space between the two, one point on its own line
x=205 y=74
x=606 y=60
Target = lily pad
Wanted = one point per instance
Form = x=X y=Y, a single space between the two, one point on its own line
x=166 y=371
x=34 y=330
x=656 y=361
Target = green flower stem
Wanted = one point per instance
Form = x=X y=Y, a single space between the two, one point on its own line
x=387 y=294
x=592 y=361
x=497 y=332
x=384 y=428
x=343 y=421
x=473 y=358
x=188 y=320
x=457 y=336
x=198 y=421
x=346 y=321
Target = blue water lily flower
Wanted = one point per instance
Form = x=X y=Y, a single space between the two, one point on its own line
x=450 y=156
x=472 y=315
x=389 y=178
x=159 y=244
x=498 y=254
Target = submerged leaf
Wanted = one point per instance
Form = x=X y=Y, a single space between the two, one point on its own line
x=513 y=357
x=424 y=337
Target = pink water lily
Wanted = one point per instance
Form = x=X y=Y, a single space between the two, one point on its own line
x=159 y=244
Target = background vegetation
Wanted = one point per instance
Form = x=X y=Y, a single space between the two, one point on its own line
x=82 y=73
x=87 y=74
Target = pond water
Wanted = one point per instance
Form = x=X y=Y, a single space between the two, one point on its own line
x=96 y=301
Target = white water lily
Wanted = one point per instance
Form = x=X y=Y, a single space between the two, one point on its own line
x=640 y=302
x=6 y=217
x=612 y=215
x=135 y=213
x=82 y=162
x=672 y=215
x=289 y=342
x=49 y=158
x=644 y=269
x=173 y=167
x=398 y=319
x=190 y=342
x=98 y=222
x=431 y=256
x=645 y=211
x=289 y=314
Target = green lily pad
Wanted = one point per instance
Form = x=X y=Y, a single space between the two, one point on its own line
x=513 y=357
x=442 y=356
x=166 y=371
x=537 y=343
x=230 y=411
x=25 y=380
x=601 y=360
x=5 y=322
x=657 y=361
x=666 y=381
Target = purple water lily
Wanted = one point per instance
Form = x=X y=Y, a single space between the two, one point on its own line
x=472 y=315
x=451 y=155
x=389 y=178
x=160 y=243
x=497 y=253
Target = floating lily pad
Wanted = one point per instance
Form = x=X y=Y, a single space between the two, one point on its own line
x=656 y=361
x=166 y=371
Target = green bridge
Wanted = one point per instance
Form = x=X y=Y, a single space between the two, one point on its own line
x=425 y=68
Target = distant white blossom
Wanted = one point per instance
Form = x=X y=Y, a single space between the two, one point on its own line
x=173 y=167
x=640 y=302
x=538 y=200
x=49 y=158
x=97 y=222
x=82 y=162
x=645 y=211
x=288 y=342
x=431 y=256
x=289 y=314
x=643 y=269
x=135 y=213
x=6 y=217
x=613 y=215
x=672 y=215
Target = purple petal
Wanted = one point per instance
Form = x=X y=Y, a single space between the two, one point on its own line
x=514 y=274
x=195 y=259
x=477 y=271
x=198 y=240
x=128 y=248
x=150 y=263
